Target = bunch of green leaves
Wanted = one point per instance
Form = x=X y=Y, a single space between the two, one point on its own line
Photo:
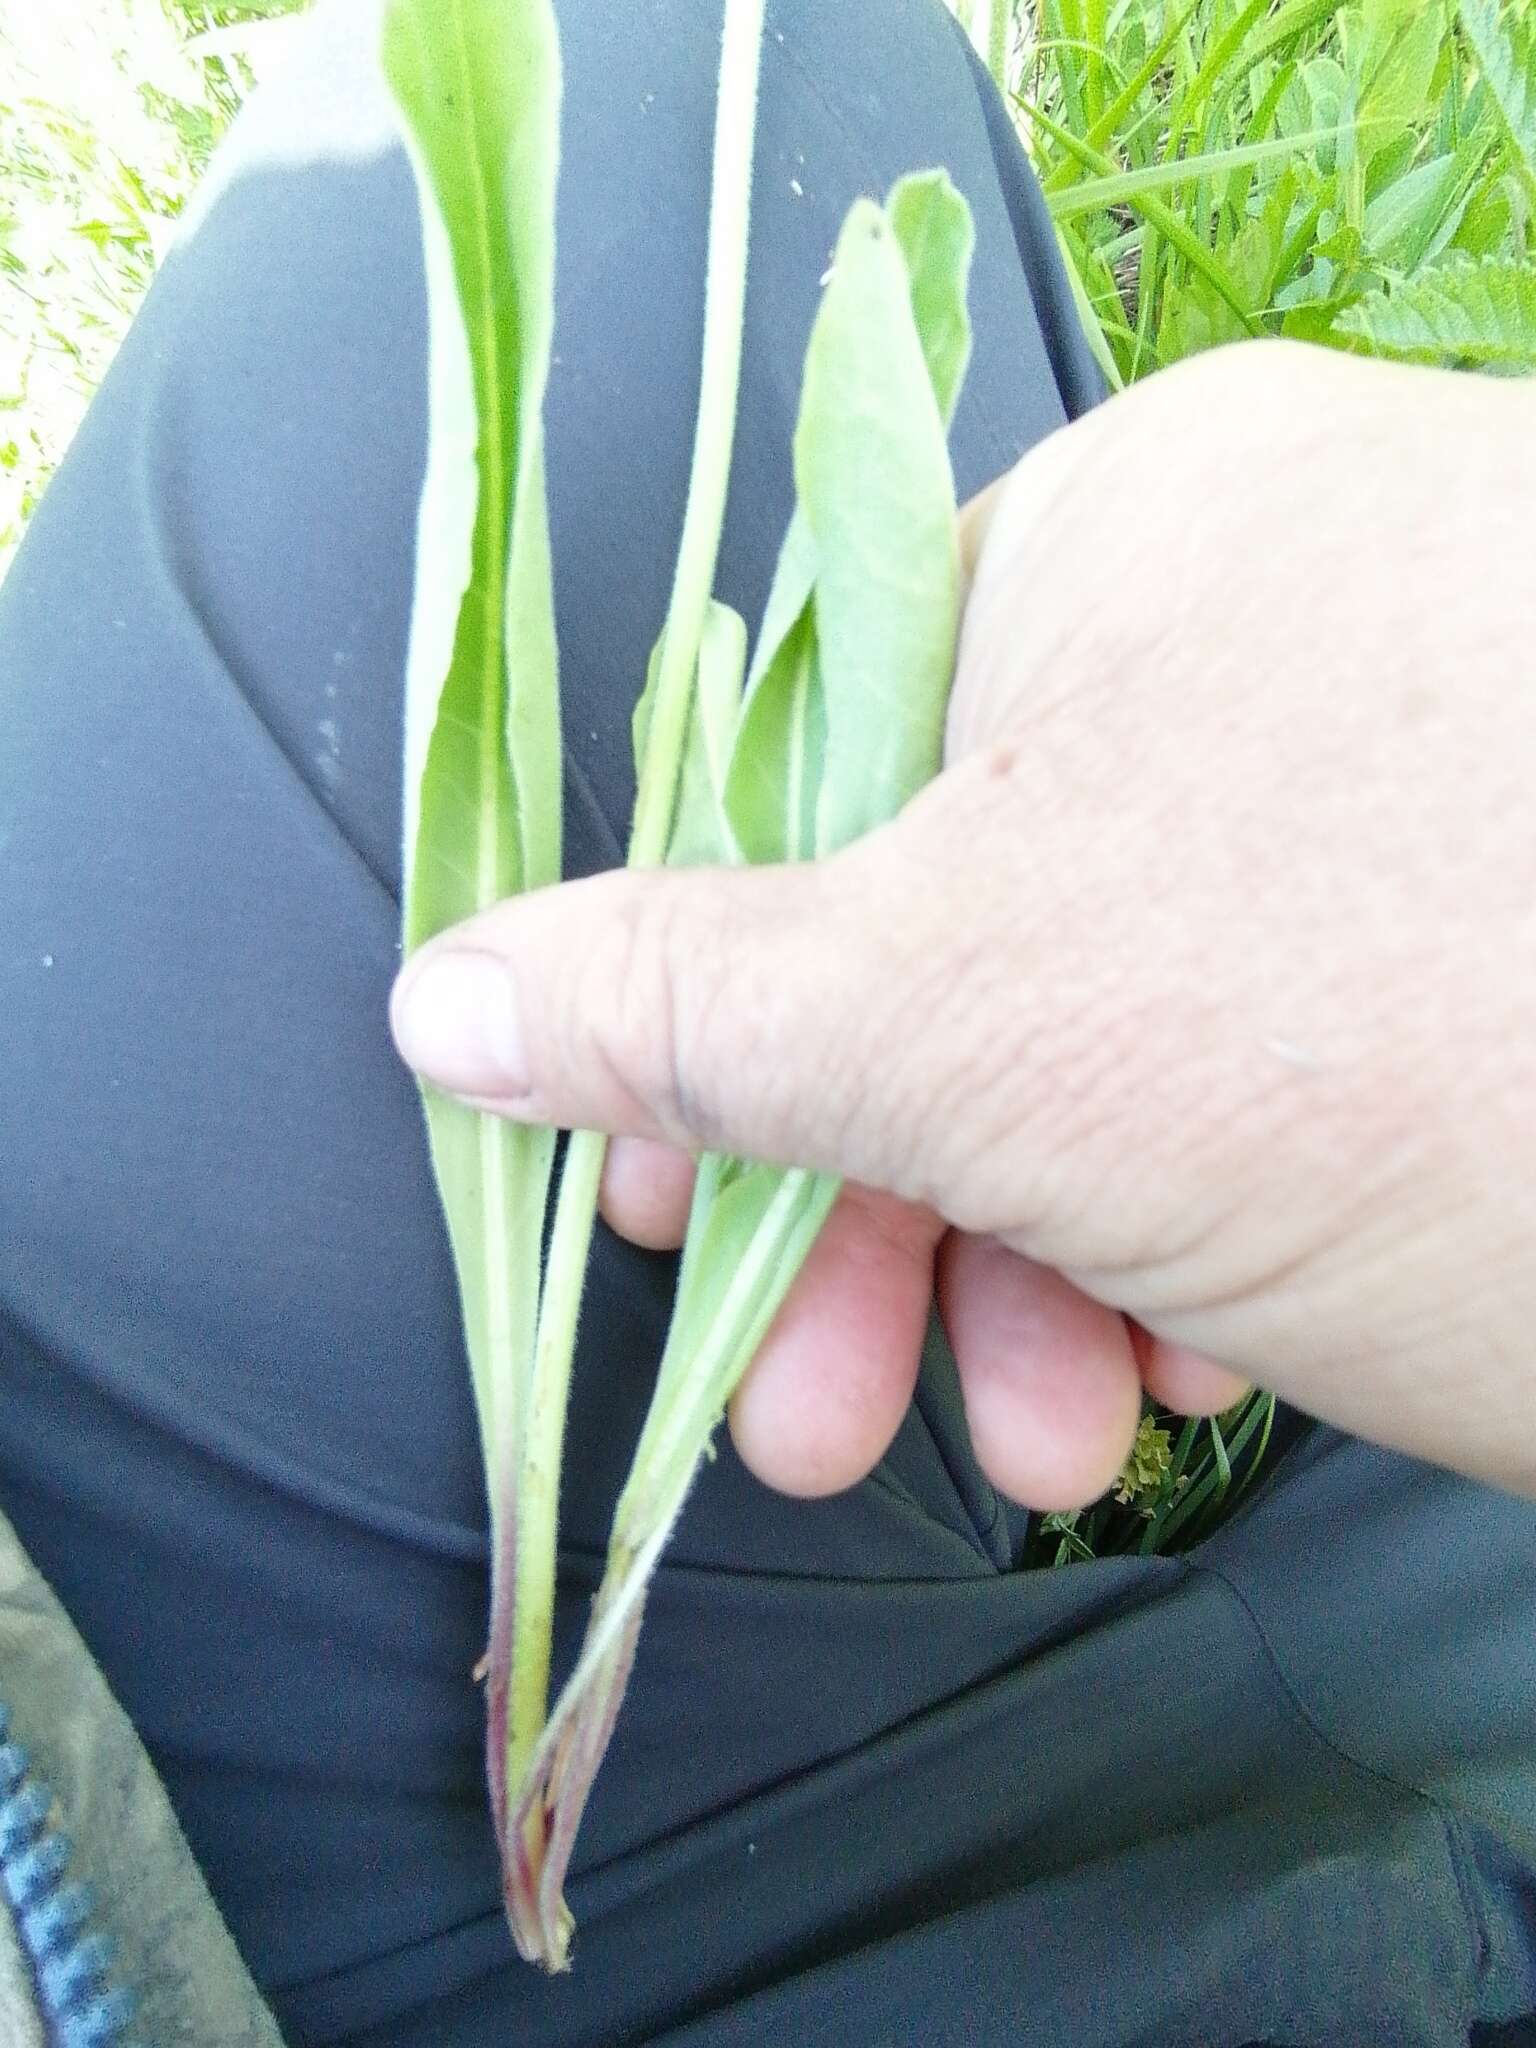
x=837 y=724
x=840 y=724
x=1359 y=175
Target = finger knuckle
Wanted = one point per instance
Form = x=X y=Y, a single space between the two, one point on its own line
x=659 y=985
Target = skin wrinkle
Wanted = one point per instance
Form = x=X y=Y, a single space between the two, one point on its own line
x=1343 y=1260
x=962 y=977
x=951 y=990
x=657 y=1024
x=1216 y=1185
x=777 y=969
x=950 y=980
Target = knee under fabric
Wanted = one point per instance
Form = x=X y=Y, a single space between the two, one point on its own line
x=871 y=1780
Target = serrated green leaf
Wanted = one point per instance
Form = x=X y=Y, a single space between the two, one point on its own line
x=1342 y=248
x=1195 y=318
x=1460 y=311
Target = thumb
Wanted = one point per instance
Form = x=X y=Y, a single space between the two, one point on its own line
x=736 y=1010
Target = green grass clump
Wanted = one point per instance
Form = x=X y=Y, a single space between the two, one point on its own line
x=1362 y=175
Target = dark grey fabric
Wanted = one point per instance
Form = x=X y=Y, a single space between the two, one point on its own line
x=871 y=1781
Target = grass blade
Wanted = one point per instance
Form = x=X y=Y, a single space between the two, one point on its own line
x=1118 y=188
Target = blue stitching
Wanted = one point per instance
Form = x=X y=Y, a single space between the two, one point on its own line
x=70 y=1959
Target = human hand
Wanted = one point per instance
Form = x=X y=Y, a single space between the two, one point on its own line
x=1196 y=991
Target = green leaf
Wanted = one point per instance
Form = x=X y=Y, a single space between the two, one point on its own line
x=1394 y=49
x=933 y=225
x=1195 y=318
x=749 y=1235
x=1328 y=93
x=774 y=780
x=1504 y=40
x=774 y=776
x=873 y=478
x=887 y=355
x=1491 y=220
x=1097 y=325
x=1462 y=310
x=478 y=85
x=1413 y=220
x=1254 y=34
x=1209 y=1483
x=640 y=717
x=671 y=691
x=1343 y=248
x=788 y=595
x=701 y=831
x=748 y=1238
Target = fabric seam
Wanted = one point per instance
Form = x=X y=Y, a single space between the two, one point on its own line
x=1446 y=1816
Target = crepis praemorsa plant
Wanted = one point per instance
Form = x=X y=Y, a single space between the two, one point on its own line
x=836 y=720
